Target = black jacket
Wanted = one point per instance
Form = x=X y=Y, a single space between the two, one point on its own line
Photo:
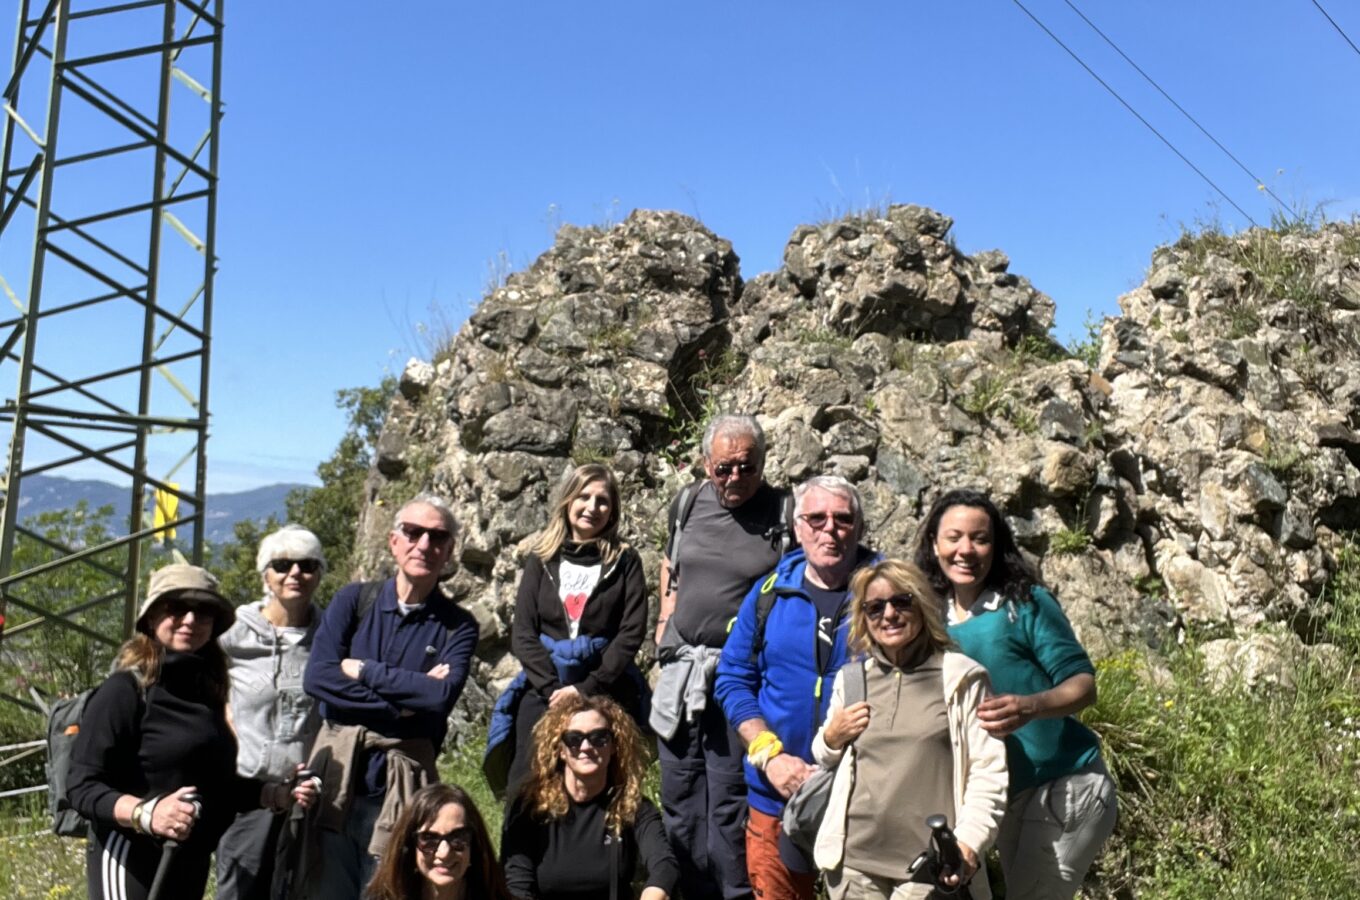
x=616 y=610
x=175 y=735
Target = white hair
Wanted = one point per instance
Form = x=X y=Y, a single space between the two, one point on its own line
x=734 y=426
x=435 y=502
x=289 y=542
x=832 y=484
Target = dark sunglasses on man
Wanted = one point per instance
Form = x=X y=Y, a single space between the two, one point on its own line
x=414 y=533
x=725 y=470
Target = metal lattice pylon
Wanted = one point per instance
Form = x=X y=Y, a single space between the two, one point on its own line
x=107 y=211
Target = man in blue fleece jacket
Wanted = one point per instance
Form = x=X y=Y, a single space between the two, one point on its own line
x=775 y=694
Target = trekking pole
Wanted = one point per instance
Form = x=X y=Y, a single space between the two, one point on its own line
x=289 y=852
x=169 y=849
x=949 y=858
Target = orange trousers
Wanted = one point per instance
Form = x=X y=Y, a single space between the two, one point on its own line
x=770 y=878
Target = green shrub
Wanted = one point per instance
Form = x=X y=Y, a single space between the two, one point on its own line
x=1229 y=793
x=1087 y=347
x=462 y=765
x=1069 y=541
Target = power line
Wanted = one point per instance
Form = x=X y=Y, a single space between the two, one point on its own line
x=1260 y=183
x=1337 y=27
x=1207 y=180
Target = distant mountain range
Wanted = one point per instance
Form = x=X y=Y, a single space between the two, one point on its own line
x=44 y=493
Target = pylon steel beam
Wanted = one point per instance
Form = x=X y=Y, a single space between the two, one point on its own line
x=107 y=254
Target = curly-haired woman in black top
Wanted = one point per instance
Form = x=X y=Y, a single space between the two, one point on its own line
x=580 y=826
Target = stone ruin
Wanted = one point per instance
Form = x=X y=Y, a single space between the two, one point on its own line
x=1200 y=475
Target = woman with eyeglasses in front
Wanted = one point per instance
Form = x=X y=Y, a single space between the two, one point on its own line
x=439 y=850
x=580 y=827
x=913 y=748
x=580 y=618
x=275 y=720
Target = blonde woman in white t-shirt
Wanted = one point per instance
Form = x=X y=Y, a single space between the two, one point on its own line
x=581 y=608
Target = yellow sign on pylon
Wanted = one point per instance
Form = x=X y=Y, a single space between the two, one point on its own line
x=167 y=510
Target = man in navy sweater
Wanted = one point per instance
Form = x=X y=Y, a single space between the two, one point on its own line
x=386 y=678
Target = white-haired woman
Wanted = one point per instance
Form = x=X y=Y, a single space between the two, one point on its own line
x=275 y=721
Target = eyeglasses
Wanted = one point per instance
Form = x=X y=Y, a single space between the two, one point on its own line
x=459 y=839
x=178 y=609
x=817 y=521
x=414 y=533
x=875 y=609
x=725 y=470
x=305 y=566
x=599 y=738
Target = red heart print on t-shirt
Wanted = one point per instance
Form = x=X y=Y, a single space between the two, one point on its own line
x=574 y=604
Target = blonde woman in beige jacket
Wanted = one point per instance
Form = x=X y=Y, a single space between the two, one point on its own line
x=912 y=749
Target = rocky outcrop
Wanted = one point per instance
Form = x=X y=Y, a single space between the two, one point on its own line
x=1199 y=475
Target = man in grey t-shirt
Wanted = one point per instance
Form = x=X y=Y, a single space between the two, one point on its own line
x=728 y=536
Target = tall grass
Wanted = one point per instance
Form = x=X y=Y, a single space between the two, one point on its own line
x=35 y=864
x=1235 y=791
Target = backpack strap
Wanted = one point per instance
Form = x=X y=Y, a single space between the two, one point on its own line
x=764 y=603
x=368 y=595
x=683 y=507
x=856 y=690
x=786 y=536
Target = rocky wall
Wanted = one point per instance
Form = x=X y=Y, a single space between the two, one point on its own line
x=1200 y=476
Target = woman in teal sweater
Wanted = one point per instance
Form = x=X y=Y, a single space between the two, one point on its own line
x=1062 y=799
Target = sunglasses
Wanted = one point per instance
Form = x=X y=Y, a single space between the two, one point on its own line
x=305 y=566
x=414 y=533
x=178 y=609
x=725 y=470
x=599 y=738
x=875 y=609
x=817 y=521
x=459 y=839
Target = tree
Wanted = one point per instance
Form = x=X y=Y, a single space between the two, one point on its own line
x=48 y=658
x=234 y=562
x=332 y=510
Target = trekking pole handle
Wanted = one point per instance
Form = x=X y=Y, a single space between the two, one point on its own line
x=304 y=775
x=947 y=845
x=196 y=801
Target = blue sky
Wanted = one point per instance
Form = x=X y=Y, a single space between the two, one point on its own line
x=377 y=159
